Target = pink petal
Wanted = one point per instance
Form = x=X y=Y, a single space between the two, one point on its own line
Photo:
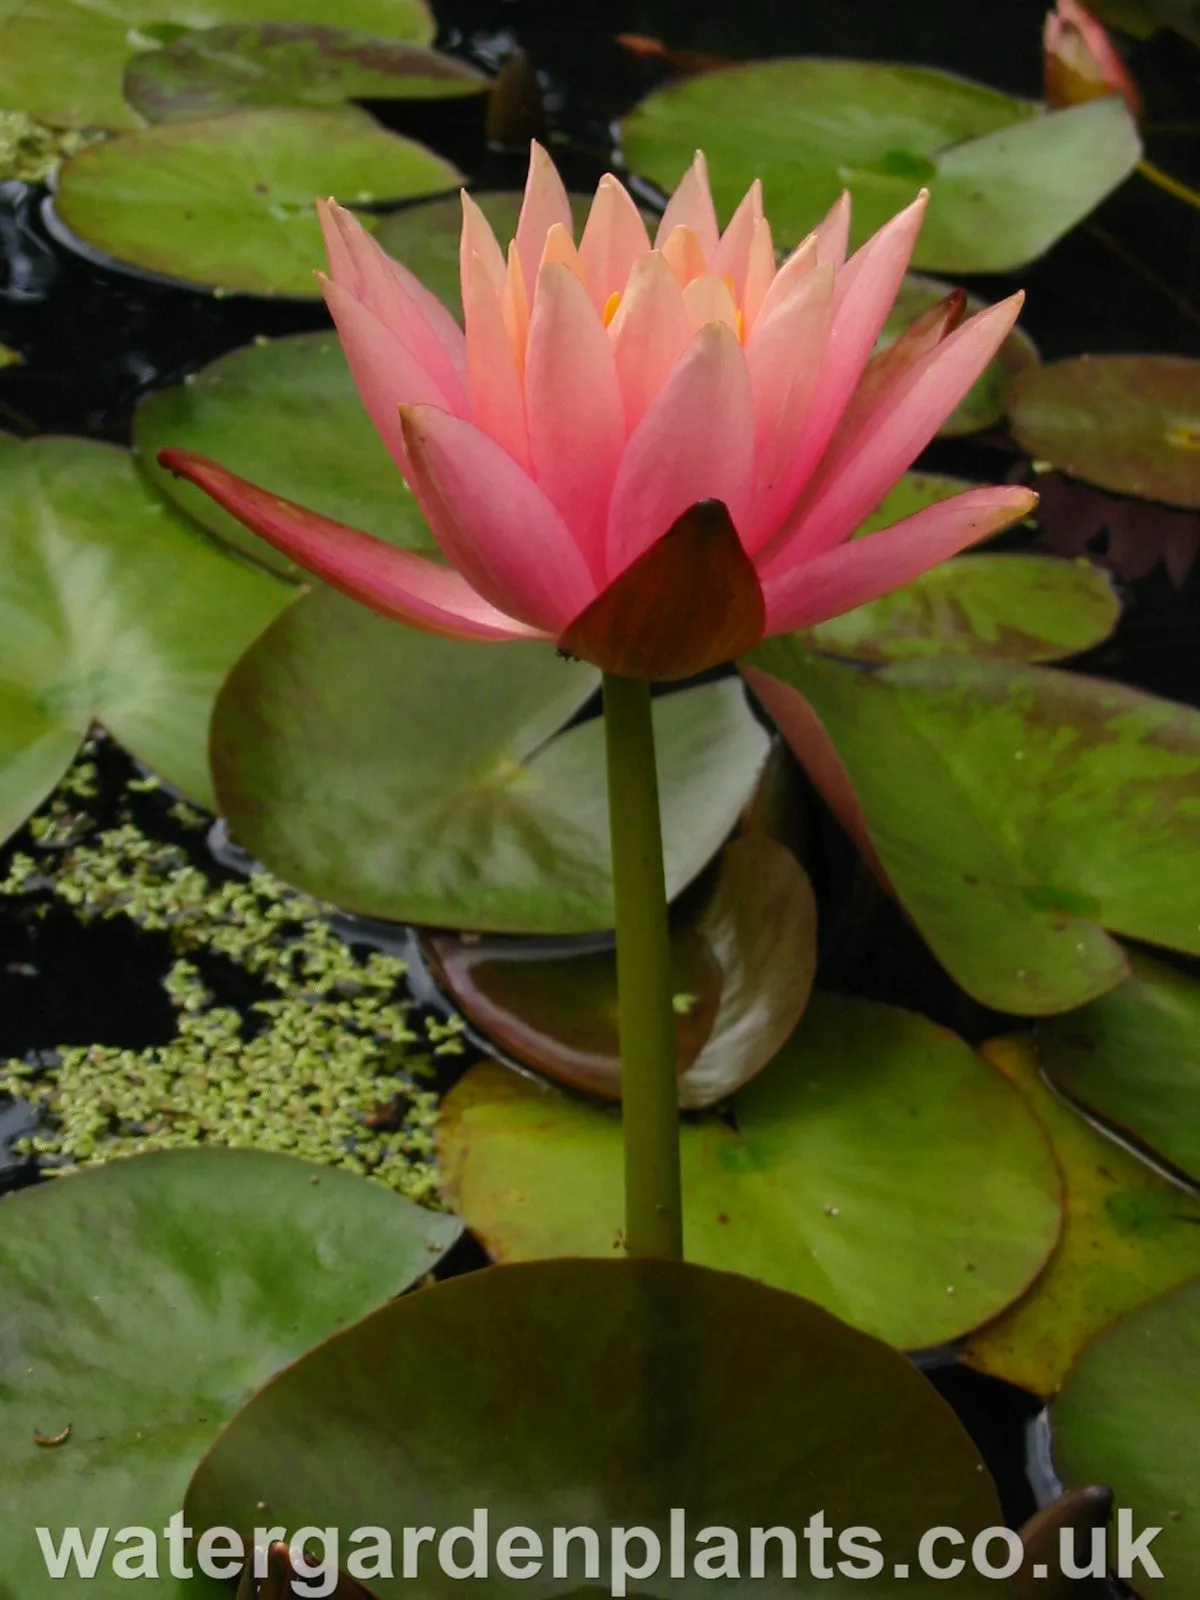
x=560 y=249
x=545 y=205
x=573 y=404
x=394 y=583
x=398 y=298
x=691 y=206
x=516 y=309
x=760 y=273
x=695 y=442
x=649 y=334
x=784 y=356
x=614 y=238
x=808 y=592
x=784 y=282
x=478 y=250
x=493 y=522
x=684 y=254
x=731 y=258
x=833 y=232
x=905 y=417
x=385 y=370
x=708 y=300
x=497 y=391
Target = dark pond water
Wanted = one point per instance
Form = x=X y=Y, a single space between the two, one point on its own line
x=97 y=340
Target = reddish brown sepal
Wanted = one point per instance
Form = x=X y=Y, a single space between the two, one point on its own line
x=692 y=601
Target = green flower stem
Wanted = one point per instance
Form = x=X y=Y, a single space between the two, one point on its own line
x=649 y=1082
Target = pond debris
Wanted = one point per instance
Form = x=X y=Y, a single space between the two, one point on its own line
x=30 y=151
x=304 y=1069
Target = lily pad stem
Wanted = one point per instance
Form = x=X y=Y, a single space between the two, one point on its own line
x=649 y=1078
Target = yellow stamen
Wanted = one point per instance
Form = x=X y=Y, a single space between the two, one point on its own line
x=610 y=306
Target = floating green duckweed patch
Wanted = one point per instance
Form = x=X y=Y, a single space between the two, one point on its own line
x=30 y=151
x=328 y=1066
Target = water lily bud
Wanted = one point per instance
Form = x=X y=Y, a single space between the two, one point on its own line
x=1080 y=61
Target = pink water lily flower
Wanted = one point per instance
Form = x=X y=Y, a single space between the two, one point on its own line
x=1080 y=61
x=652 y=454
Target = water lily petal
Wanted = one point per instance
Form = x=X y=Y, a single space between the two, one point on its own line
x=731 y=258
x=708 y=299
x=497 y=391
x=545 y=205
x=574 y=409
x=493 y=522
x=863 y=569
x=684 y=254
x=833 y=232
x=478 y=250
x=784 y=282
x=394 y=583
x=649 y=333
x=386 y=371
x=691 y=206
x=760 y=273
x=614 y=238
x=695 y=442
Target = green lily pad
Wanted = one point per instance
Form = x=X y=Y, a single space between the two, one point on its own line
x=1128 y=1235
x=985 y=404
x=215 y=70
x=601 y=1393
x=62 y=60
x=1129 y=1415
x=1072 y=1517
x=877 y=1166
x=1128 y=423
x=285 y=414
x=1028 y=608
x=1019 y=812
x=229 y=202
x=417 y=778
x=742 y=969
x=1006 y=181
x=1133 y=1058
x=145 y=1301
x=113 y=609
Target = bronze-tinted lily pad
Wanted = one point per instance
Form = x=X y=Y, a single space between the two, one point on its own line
x=1129 y=1416
x=742 y=968
x=877 y=1166
x=985 y=403
x=1128 y=1235
x=1128 y=423
x=214 y=70
x=601 y=1394
x=229 y=202
x=1133 y=1058
x=1018 y=812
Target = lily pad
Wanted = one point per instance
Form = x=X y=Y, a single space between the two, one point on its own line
x=601 y=1393
x=1019 y=812
x=877 y=1166
x=215 y=70
x=985 y=403
x=1129 y=423
x=1025 y=607
x=1133 y=1058
x=285 y=414
x=1128 y=1235
x=113 y=609
x=145 y=1301
x=1007 y=181
x=1129 y=1415
x=229 y=202
x=742 y=969
x=62 y=60
x=416 y=778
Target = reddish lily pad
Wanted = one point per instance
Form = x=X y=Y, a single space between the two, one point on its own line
x=286 y=415
x=1025 y=607
x=1127 y=423
x=214 y=70
x=1129 y=1415
x=229 y=202
x=62 y=59
x=601 y=1394
x=1018 y=812
x=742 y=969
x=985 y=404
x=1133 y=1058
x=419 y=778
x=877 y=1166
x=1129 y=1234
